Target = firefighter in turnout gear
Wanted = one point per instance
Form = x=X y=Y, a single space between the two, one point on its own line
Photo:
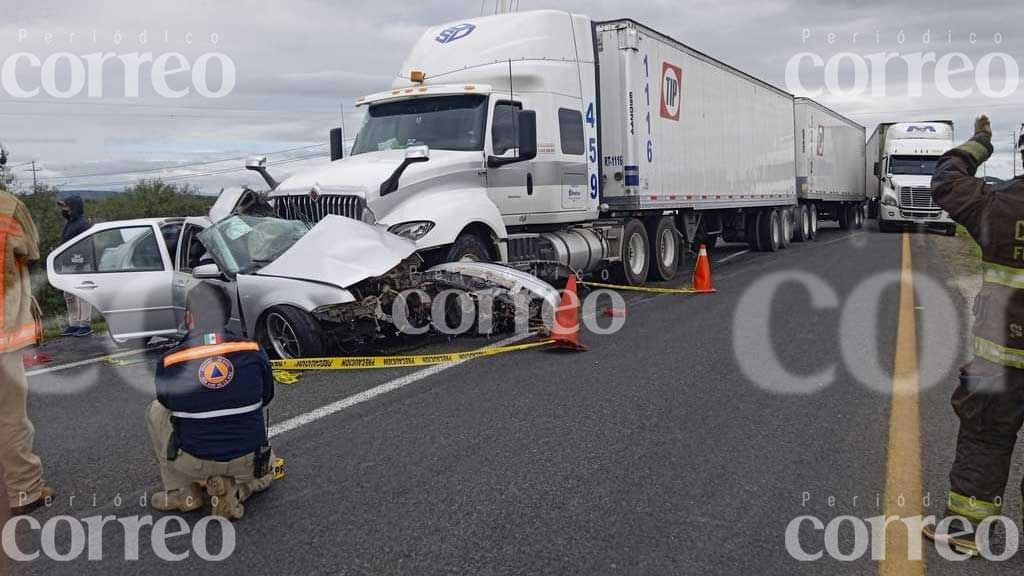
x=207 y=423
x=990 y=398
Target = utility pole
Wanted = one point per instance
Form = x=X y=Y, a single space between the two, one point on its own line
x=33 y=170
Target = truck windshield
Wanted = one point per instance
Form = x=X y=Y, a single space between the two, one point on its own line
x=913 y=165
x=441 y=122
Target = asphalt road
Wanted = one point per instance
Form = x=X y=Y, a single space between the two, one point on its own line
x=672 y=447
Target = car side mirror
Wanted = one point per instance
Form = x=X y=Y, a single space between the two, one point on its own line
x=337 y=145
x=207 y=272
x=526 y=141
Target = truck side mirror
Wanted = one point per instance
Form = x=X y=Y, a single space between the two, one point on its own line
x=337 y=145
x=526 y=141
x=877 y=171
x=413 y=155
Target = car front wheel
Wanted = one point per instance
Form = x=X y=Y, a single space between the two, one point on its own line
x=288 y=332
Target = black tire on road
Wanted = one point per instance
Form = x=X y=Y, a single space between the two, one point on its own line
x=288 y=332
x=632 y=269
x=845 y=217
x=769 y=231
x=469 y=246
x=786 y=217
x=753 y=220
x=802 y=231
x=665 y=247
x=858 y=210
x=950 y=230
x=813 y=210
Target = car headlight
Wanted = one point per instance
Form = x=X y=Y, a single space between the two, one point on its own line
x=889 y=200
x=368 y=216
x=412 y=230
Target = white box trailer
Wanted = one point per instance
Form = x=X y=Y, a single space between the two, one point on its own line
x=829 y=165
x=580 y=145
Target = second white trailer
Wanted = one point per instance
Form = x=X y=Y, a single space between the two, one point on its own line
x=829 y=168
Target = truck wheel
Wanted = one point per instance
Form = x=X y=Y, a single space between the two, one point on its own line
x=750 y=229
x=950 y=230
x=786 y=216
x=469 y=247
x=858 y=211
x=845 y=217
x=802 y=233
x=288 y=332
x=664 y=243
x=632 y=269
x=770 y=231
x=813 y=211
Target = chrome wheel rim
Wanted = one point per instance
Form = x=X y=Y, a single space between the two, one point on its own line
x=282 y=337
x=668 y=248
x=636 y=254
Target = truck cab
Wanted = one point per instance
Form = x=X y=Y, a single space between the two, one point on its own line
x=483 y=131
x=909 y=154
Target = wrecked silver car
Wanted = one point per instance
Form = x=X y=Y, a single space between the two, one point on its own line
x=302 y=290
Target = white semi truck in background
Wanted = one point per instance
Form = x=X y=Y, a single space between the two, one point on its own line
x=901 y=159
x=547 y=139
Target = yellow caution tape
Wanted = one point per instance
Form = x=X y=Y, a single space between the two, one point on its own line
x=120 y=362
x=279 y=469
x=370 y=362
x=648 y=289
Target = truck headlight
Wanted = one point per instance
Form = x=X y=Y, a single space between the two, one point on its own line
x=889 y=200
x=412 y=230
x=368 y=216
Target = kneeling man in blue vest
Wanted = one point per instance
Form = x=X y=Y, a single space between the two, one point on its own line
x=207 y=423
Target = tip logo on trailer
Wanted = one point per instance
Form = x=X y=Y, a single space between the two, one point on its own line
x=453 y=33
x=671 y=86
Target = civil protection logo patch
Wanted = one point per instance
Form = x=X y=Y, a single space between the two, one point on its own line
x=216 y=373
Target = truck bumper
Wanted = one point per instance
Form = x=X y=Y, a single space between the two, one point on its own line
x=913 y=216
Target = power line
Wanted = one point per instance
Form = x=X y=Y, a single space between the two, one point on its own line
x=179 y=166
x=193 y=176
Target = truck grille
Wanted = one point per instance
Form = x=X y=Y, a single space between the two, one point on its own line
x=306 y=208
x=917 y=197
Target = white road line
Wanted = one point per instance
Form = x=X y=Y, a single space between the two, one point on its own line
x=366 y=395
x=85 y=362
x=731 y=256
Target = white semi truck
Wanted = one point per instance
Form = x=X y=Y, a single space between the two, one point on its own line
x=901 y=159
x=829 y=165
x=547 y=139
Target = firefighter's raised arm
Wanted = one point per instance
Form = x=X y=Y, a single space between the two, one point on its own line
x=954 y=186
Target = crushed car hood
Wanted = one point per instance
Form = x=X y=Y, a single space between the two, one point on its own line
x=341 y=252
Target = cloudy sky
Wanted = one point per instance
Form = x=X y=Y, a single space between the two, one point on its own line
x=298 y=64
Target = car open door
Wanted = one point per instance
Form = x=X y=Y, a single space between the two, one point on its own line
x=124 y=269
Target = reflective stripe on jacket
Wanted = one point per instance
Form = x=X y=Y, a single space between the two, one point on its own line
x=994 y=216
x=19 y=245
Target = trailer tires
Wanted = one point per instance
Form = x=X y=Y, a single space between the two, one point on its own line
x=665 y=249
x=787 y=227
x=813 y=212
x=769 y=228
x=469 y=247
x=858 y=212
x=288 y=332
x=635 y=263
x=803 y=227
x=845 y=217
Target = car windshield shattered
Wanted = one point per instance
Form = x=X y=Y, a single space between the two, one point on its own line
x=244 y=244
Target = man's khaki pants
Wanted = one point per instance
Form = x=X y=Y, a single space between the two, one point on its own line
x=79 y=311
x=185 y=470
x=23 y=472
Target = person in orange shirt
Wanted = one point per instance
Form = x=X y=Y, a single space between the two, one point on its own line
x=23 y=471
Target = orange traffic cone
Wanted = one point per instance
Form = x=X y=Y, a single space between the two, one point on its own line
x=702 y=272
x=566 y=331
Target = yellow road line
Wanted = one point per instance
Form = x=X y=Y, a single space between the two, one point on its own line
x=903 y=465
